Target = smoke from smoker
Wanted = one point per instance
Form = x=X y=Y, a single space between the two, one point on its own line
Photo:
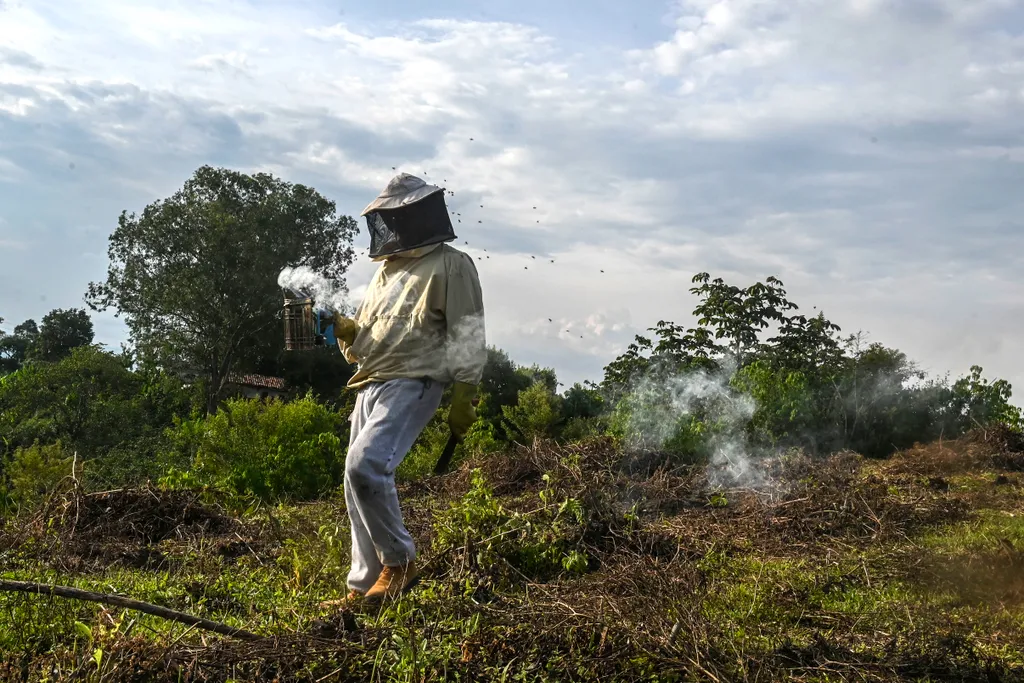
x=466 y=343
x=327 y=293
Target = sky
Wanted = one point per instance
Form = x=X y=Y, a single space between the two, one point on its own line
x=868 y=153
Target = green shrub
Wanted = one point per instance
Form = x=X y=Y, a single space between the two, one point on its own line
x=36 y=471
x=87 y=401
x=482 y=439
x=140 y=461
x=501 y=383
x=579 y=429
x=649 y=419
x=536 y=413
x=93 y=404
x=785 y=406
x=270 y=450
x=976 y=402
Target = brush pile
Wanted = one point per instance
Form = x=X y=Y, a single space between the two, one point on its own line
x=84 y=531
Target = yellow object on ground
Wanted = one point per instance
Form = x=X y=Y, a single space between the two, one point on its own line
x=421 y=318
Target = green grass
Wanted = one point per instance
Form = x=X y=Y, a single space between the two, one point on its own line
x=834 y=610
x=983 y=532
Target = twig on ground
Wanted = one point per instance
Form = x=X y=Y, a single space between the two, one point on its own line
x=128 y=603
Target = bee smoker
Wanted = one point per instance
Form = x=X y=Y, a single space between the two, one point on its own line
x=306 y=327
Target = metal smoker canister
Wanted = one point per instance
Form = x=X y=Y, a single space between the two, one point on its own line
x=300 y=324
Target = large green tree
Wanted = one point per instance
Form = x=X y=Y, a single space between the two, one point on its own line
x=195 y=276
x=14 y=347
x=62 y=330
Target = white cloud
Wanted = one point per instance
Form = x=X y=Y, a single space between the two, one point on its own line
x=230 y=61
x=9 y=171
x=750 y=65
x=866 y=152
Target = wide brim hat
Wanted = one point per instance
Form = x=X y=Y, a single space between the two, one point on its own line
x=402 y=190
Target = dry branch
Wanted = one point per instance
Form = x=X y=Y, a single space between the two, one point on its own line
x=128 y=603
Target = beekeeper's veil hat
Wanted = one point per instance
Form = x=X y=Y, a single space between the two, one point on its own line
x=407 y=215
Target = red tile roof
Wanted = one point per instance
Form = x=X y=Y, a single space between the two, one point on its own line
x=261 y=381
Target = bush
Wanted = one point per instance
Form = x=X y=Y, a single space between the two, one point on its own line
x=34 y=472
x=92 y=403
x=86 y=401
x=423 y=455
x=138 y=462
x=481 y=439
x=536 y=413
x=579 y=429
x=785 y=405
x=680 y=415
x=975 y=402
x=271 y=450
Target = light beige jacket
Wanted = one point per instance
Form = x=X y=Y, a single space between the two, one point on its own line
x=421 y=317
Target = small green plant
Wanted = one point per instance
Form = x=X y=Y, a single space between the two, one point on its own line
x=541 y=543
x=718 y=500
x=575 y=562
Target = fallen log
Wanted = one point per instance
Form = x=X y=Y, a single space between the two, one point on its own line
x=128 y=603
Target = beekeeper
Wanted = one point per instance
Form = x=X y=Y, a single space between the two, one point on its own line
x=418 y=330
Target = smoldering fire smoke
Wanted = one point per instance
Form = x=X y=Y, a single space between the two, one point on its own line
x=657 y=406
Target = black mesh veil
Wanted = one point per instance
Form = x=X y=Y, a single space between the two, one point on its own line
x=409 y=227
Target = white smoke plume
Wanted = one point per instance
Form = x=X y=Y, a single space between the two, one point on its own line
x=466 y=348
x=659 y=406
x=327 y=293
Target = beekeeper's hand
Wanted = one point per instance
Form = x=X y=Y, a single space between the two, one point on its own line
x=345 y=329
x=462 y=413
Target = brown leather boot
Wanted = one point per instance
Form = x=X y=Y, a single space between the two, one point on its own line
x=393 y=582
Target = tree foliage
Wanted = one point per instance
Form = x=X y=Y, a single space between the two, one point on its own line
x=752 y=374
x=62 y=330
x=91 y=402
x=811 y=388
x=14 y=347
x=738 y=315
x=500 y=385
x=195 y=275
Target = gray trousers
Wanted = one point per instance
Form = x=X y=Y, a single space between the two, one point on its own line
x=386 y=422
